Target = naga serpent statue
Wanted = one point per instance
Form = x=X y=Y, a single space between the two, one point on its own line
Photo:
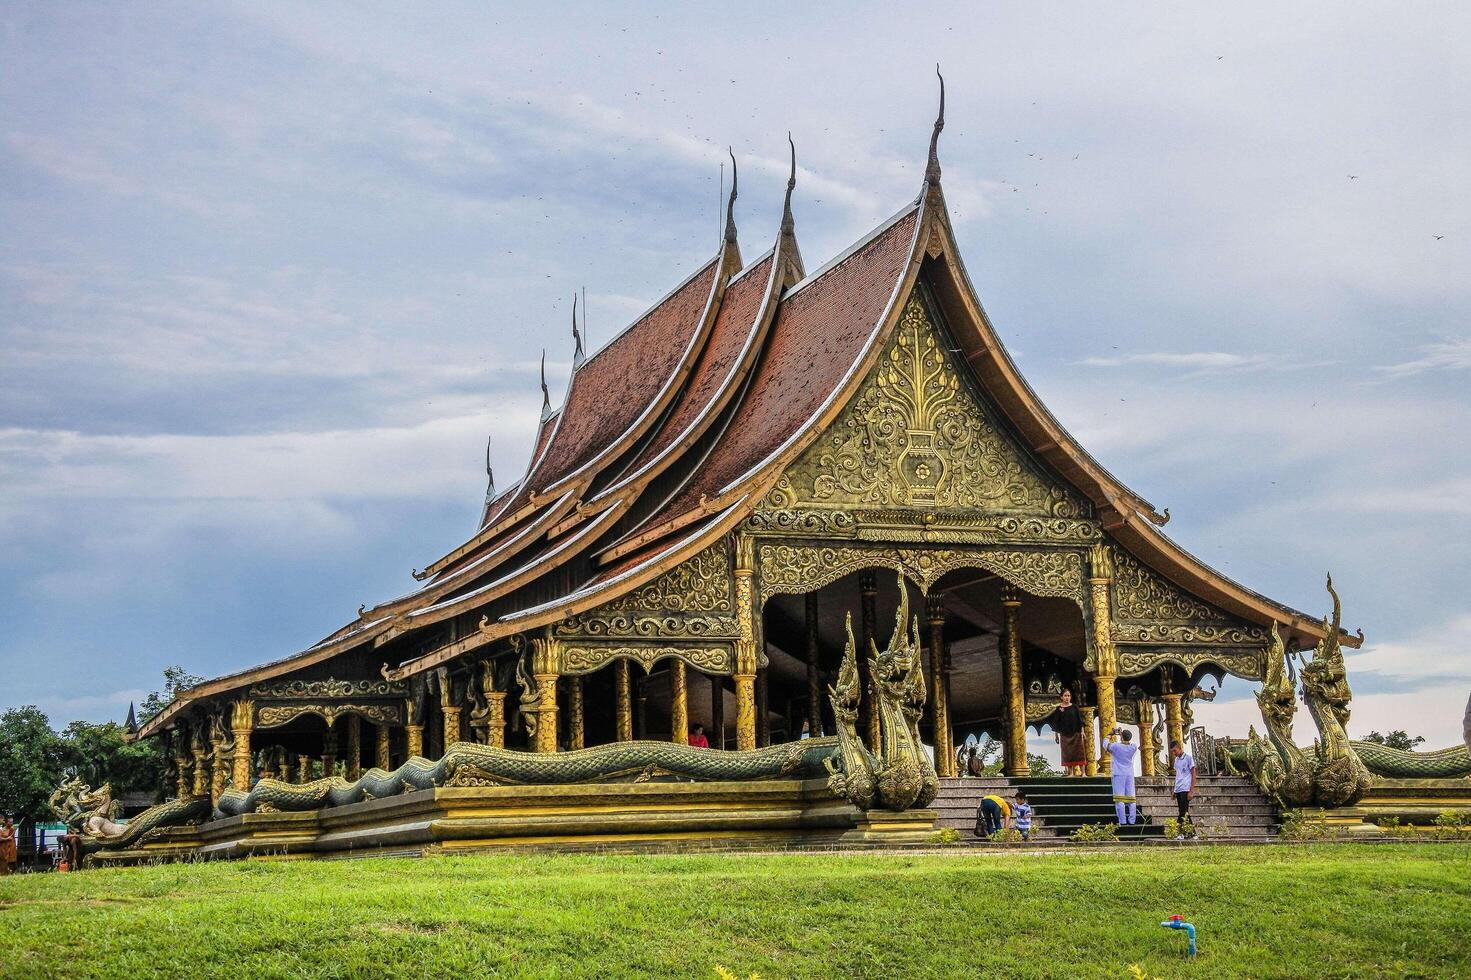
x=1340 y=777
x=901 y=774
x=1277 y=765
x=90 y=814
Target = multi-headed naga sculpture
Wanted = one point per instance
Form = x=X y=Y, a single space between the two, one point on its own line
x=1340 y=777
x=1275 y=762
x=901 y=774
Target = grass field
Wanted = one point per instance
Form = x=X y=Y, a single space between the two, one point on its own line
x=1301 y=911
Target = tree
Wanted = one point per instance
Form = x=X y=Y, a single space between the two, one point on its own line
x=1397 y=739
x=99 y=754
x=32 y=758
x=175 y=679
x=1039 y=766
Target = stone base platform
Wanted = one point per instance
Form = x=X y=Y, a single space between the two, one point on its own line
x=658 y=816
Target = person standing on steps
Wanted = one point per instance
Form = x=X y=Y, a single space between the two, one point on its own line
x=1184 y=766
x=1067 y=726
x=1125 y=804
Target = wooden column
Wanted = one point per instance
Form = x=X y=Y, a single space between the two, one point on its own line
x=1011 y=678
x=679 y=703
x=1174 y=722
x=717 y=712
x=183 y=770
x=1145 y=712
x=814 y=654
x=940 y=686
x=354 y=767
x=763 y=706
x=304 y=768
x=746 y=655
x=242 y=722
x=383 y=748
x=218 y=770
x=868 y=718
x=623 y=705
x=576 y=721
x=1105 y=654
x=1090 y=740
x=329 y=753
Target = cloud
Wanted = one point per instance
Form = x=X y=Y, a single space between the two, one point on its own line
x=1451 y=355
x=1201 y=361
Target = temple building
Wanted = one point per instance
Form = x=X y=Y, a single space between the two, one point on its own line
x=763 y=455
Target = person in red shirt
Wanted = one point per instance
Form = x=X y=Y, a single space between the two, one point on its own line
x=698 y=739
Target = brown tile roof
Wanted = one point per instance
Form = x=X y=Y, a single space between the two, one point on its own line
x=822 y=327
x=613 y=387
x=734 y=325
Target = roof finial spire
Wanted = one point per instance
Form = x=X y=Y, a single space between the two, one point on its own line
x=932 y=171
x=730 y=228
x=576 y=336
x=489 y=474
x=788 y=226
x=546 y=395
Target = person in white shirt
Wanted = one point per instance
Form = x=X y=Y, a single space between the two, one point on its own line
x=1125 y=804
x=1184 y=767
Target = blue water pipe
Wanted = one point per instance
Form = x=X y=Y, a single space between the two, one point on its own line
x=1176 y=922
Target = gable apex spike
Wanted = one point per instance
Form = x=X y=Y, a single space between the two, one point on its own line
x=932 y=170
x=788 y=226
x=546 y=395
x=577 y=354
x=730 y=227
x=489 y=474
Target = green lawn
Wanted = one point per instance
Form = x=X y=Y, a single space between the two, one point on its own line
x=1303 y=911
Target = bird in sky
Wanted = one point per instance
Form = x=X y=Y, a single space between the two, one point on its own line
x=1439 y=237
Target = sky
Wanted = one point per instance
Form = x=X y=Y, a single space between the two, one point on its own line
x=271 y=274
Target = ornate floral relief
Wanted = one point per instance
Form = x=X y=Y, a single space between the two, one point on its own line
x=329 y=688
x=1246 y=664
x=273 y=715
x=924 y=526
x=916 y=437
x=586 y=659
x=690 y=601
x=803 y=568
x=1149 y=609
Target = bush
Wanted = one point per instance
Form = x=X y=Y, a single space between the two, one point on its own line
x=1094 y=833
x=1008 y=835
x=1452 y=824
x=1297 y=825
x=945 y=835
x=1174 y=827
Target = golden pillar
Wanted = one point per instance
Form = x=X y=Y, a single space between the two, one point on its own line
x=868 y=717
x=382 y=749
x=1145 y=711
x=1090 y=740
x=183 y=776
x=940 y=686
x=329 y=752
x=496 y=732
x=353 y=766
x=303 y=768
x=1174 y=722
x=219 y=773
x=814 y=653
x=242 y=721
x=450 y=709
x=623 y=700
x=679 y=703
x=413 y=728
x=1105 y=654
x=576 y=721
x=200 y=750
x=546 y=668
x=1011 y=677
x=746 y=657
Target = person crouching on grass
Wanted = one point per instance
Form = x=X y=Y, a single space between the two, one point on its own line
x=1184 y=766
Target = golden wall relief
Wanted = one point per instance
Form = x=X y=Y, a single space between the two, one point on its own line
x=587 y=659
x=1147 y=608
x=1245 y=664
x=693 y=601
x=329 y=688
x=795 y=568
x=915 y=436
x=915 y=526
x=274 y=715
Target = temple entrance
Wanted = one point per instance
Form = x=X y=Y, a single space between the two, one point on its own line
x=965 y=615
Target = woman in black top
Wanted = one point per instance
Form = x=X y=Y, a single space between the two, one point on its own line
x=1067 y=725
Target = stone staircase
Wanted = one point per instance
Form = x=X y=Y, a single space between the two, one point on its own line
x=1226 y=807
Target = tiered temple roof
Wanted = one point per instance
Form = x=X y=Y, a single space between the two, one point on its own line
x=671 y=434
